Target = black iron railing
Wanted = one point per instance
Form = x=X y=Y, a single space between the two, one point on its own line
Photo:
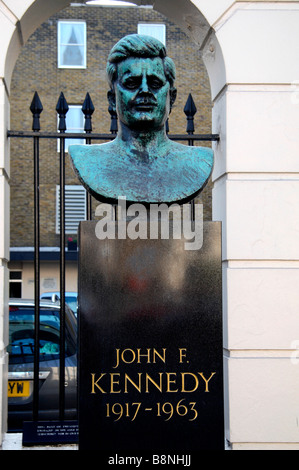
x=62 y=108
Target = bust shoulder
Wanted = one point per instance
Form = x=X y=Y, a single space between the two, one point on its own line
x=178 y=174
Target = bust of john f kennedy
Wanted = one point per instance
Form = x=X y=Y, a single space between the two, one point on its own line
x=141 y=164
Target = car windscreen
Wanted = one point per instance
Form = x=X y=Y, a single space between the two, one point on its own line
x=22 y=334
x=72 y=302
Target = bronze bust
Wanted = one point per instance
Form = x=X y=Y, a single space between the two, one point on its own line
x=141 y=164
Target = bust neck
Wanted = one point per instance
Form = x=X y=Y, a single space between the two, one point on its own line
x=143 y=145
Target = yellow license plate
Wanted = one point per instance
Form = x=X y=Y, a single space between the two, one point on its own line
x=18 y=388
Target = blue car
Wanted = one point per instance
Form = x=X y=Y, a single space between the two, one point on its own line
x=71 y=299
x=21 y=362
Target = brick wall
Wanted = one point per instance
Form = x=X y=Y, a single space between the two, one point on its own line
x=36 y=70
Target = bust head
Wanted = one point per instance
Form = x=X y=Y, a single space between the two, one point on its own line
x=141 y=163
x=133 y=60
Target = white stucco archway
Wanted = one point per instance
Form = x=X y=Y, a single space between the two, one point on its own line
x=24 y=17
x=256 y=196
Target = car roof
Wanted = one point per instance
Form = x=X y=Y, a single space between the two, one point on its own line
x=58 y=293
x=31 y=303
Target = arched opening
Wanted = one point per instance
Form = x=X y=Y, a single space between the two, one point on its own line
x=183 y=13
x=192 y=23
x=38 y=69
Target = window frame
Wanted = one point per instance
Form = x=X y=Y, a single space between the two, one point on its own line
x=72 y=129
x=162 y=25
x=78 y=188
x=18 y=281
x=60 y=65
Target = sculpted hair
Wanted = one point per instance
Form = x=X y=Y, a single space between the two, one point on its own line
x=137 y=45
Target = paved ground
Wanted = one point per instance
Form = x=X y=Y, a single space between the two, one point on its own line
x=13 y=441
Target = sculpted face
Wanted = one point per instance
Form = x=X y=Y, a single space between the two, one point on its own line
x=142 y=93
x=141 y=79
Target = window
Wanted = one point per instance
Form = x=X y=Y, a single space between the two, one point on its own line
x=157 y=30
x=21 y=334
x=75 y=208
x=15 y=284
x=71 y=44
x=74 y=123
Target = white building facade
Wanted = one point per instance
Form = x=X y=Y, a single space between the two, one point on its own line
x=251 y=52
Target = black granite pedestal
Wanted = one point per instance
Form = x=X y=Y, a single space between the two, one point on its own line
x=150 y=344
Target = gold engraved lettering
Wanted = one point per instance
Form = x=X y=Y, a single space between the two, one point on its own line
x=95 y=383
x=128 y=358
x=148 y=378
x=138 y=387
x=207 y=380
x=117 y=359
x=155 y=353
x=114 y=382
x=148 y=356
x=182 y=354
x=169 y=381
x=189 y=374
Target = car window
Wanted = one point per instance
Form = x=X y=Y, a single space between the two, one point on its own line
x=21 y=334
x=72 y=302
